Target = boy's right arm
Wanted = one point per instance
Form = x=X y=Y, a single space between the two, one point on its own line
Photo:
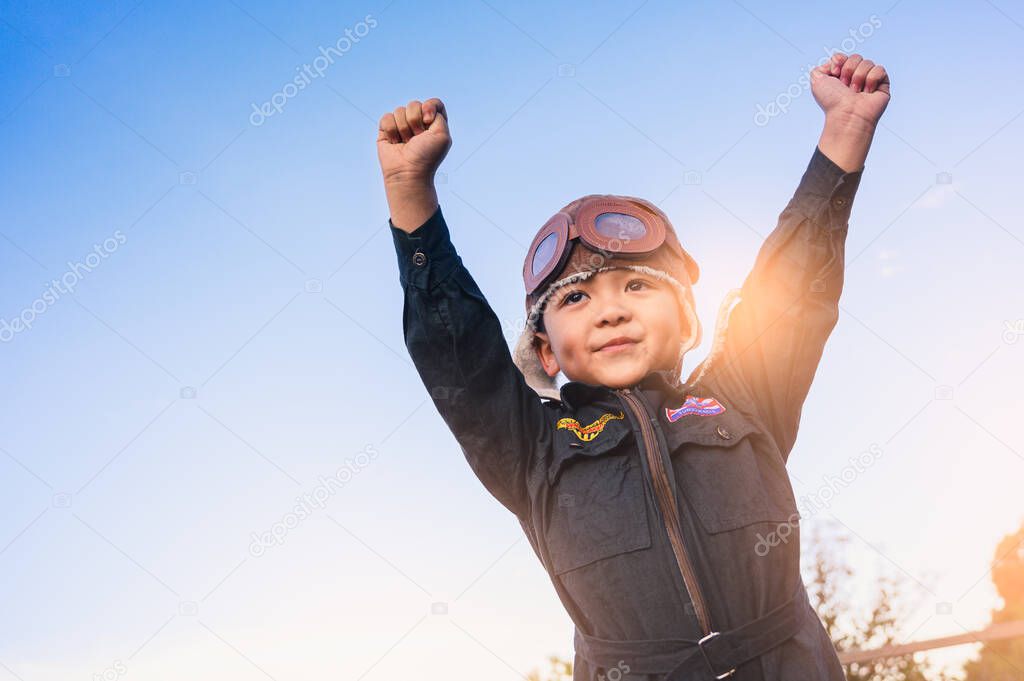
x=453 y=335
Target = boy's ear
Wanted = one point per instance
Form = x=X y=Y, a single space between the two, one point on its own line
x=545 y=354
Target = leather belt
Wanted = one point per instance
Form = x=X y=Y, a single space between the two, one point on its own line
x=715 y=656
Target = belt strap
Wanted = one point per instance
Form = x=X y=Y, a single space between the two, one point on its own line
x=716 y=656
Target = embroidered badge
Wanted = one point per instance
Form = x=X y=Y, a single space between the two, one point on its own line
x=707 y=406
x=588 y=433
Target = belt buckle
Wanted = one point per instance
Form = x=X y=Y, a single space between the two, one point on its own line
x=700 y=646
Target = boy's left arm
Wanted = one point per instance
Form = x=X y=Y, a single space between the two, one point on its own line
x=789 y=303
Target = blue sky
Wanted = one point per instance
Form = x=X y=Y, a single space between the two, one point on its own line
x=234 y=334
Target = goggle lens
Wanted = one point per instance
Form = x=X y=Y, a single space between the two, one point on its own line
x=544 y=253
x=620 y=226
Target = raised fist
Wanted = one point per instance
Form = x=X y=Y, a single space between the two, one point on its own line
x=851 y=85
x=413 y=140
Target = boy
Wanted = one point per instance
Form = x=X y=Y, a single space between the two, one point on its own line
x=645 y=497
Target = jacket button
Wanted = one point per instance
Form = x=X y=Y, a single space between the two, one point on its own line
x=839 y=201
x=723 y=433
x=419 y=258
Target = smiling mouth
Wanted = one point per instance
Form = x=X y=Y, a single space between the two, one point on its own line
x=617 y=345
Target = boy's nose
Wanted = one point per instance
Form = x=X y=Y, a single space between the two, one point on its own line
x=614 y=312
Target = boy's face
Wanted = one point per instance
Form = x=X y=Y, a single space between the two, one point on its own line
x=585 y=322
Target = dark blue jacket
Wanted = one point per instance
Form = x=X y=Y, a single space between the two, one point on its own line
x=587 y=502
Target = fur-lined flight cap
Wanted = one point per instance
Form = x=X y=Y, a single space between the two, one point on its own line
x=669 y=262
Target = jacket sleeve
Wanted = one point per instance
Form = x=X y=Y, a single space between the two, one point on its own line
x=455 y=341
x=789 y=303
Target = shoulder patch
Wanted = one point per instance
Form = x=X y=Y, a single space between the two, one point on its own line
x=589 y=432
x=707 y=406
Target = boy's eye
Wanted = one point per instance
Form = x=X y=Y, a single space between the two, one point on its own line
x=572 y=297
x=576 y=296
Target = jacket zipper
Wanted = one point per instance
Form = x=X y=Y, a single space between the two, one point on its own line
x=669 y=511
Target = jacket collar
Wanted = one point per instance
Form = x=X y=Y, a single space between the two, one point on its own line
x=575 y=394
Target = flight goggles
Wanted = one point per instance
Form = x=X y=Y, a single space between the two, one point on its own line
x=610 y=226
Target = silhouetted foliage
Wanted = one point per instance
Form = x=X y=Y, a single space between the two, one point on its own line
x=1004 y=660
x=828 y=577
